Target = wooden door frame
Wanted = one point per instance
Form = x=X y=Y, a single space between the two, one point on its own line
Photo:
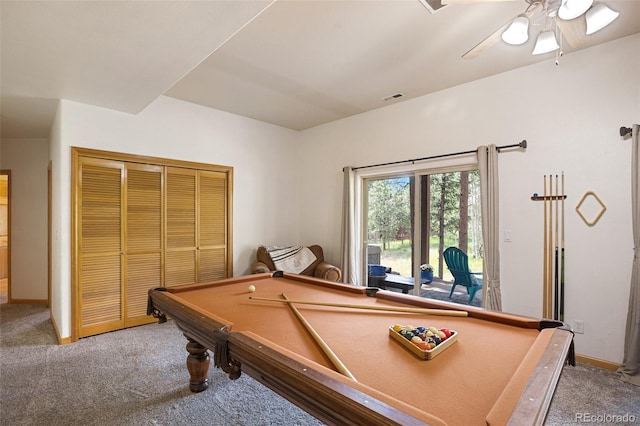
x=8 y=174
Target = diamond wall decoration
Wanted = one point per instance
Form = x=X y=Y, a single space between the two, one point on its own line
x=600 y=213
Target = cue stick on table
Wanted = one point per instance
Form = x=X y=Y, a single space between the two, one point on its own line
x=443 y=312
x=323 y=345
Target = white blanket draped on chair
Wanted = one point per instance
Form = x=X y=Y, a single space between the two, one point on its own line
x=291 y=259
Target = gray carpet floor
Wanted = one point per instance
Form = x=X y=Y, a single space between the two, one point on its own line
x=138 y=377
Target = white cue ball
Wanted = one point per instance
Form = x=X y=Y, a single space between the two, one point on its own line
x=252 y=288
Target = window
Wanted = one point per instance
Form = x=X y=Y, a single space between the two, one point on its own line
x=402 y=231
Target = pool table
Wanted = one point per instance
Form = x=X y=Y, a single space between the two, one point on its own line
x=502 y=368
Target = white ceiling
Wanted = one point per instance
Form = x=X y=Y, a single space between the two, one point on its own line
x=296 y=64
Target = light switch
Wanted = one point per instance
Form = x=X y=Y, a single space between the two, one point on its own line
x=507 y=236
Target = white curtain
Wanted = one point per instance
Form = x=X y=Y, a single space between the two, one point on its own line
x=630 y=367
x=488 y=166
x=349 y=242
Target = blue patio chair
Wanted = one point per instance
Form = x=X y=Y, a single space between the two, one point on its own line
x=458 y=263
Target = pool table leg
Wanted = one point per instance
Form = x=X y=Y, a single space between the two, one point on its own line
x=198 y=366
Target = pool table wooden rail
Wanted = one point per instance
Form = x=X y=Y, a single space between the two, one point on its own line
x=543 y=382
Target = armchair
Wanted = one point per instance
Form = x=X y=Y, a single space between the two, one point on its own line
x=319 y=268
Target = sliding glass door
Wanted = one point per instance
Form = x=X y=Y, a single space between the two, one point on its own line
x=451 y=217
x=403 y=231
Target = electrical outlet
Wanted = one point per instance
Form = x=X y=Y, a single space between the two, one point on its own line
x=578 y=326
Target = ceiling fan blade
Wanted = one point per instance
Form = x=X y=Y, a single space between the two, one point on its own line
x=479 y=48
x=574 y=31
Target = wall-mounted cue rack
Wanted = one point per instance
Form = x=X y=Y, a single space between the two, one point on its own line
x=553 y=246
x=549 y=197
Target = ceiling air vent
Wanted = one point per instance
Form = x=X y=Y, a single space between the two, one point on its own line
x=393 y=97
x=432 y=5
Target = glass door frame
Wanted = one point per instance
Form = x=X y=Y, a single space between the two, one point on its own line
x=416 y=172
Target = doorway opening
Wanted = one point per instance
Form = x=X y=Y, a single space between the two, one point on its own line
x=4 y=235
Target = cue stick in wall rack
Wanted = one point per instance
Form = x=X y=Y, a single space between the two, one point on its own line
x=550 y=253
x=561 y=317
x=553 y=247
x=544 y=255
x=442 y=312
x=320 y=341
x=556 y=264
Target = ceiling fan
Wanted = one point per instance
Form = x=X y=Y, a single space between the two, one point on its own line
x=573 y=19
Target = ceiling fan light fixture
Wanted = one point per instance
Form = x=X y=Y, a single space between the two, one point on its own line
x=571 y=9
x=545 y=43
x=518 y=31
x=599 y=16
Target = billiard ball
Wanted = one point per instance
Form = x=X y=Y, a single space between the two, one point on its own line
x=424 y=346
x=252 y=288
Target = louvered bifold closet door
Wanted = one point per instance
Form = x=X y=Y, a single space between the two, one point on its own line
x=143 y=252
x=100 y=246
x=212 y=226
x=180 y=252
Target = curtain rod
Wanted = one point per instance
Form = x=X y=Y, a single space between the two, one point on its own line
x=522 y=144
